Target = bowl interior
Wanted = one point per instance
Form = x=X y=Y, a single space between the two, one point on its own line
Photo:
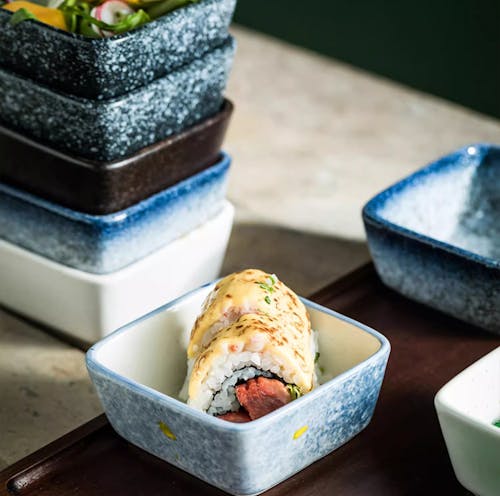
x=475 y=393
x=456 y=200
x=152 y=351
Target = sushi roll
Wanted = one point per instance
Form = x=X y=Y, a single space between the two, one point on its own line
x=251 y=349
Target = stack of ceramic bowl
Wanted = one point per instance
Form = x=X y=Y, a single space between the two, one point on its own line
x=112 y=182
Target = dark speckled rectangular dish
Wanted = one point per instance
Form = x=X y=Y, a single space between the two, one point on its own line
x=435 y=236
x=110 y=129
x=107 y=68
x=104 y=187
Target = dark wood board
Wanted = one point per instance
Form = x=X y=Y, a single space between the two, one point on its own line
x=401 y=452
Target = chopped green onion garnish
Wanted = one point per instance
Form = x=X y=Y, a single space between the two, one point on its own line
x=294 y=391
x=316 y=357
x=129 y=22
x=267 y=300
x=268 y=285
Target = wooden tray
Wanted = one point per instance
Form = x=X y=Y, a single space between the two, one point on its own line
x=401 y=452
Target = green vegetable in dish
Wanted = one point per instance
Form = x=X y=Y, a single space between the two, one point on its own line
x=268 y=285
x=158 y=9
x=21 y=15
x=497 y=423
x=93 y=18
x=294 y=391
x=81 y=18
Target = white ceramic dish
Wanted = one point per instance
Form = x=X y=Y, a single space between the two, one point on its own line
x=467 y=407
x=138 y=372
x=88 y=306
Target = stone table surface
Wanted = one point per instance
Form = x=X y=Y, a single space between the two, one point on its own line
x=312 y=141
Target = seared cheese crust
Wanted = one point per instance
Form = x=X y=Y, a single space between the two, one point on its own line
x=250 y=319
x=263 y=335
x=249 y=292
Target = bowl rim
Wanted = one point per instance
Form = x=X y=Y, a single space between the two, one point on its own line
x=223 y=114
x=371 y=215
x=108 y=279
x=105 y=221
x=80 y=38
x=93 y=365
x=442 y=404
x=225 y=50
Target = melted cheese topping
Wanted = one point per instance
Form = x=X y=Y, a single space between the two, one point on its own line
x=290 y=347
x=252 y=311
x=249 y=292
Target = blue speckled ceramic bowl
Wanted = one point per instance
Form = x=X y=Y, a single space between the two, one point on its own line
x=106 y=130
x=106 y=243
x=85 y=307
x=139 y=370
x=435 y=236
x=110 y=67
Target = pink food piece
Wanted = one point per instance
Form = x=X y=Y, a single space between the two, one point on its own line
x=110 y=12
x=239 y=417
x=261 y=395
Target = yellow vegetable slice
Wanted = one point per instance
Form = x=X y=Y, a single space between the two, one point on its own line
x=52 y=17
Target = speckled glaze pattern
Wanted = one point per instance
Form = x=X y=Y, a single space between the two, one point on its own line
x=106 y=130
x=110 y=67
x=85 y=307
x=102 y=244
x=100 y=188
x=243 y=459
x=435 y=236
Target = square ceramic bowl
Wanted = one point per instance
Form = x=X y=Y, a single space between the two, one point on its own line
x=105 y=243
x=100 y=188
x=110 y=129
x=139 y=370
x=86 y=307
x=467 y=407
x=435 y=236
x=110 y=67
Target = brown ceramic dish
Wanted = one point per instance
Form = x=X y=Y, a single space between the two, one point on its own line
x=105 y=187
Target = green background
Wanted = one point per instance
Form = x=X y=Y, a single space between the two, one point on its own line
x=448 y=48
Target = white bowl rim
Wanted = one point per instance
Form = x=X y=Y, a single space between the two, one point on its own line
x=93 y=364
x=110 y=277
x=441 y=404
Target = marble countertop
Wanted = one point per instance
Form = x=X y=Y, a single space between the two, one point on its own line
x=312 y=141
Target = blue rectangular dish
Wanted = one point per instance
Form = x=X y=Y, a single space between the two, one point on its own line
x=110 y=67
x=111 y=129
x=105 y=243
x=435 y=236
x=139 y=370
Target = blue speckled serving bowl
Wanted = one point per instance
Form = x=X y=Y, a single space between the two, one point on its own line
x=105 y=243
x=435 y=236
x=139 y=370
x=106 y=130
x=110 y=67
